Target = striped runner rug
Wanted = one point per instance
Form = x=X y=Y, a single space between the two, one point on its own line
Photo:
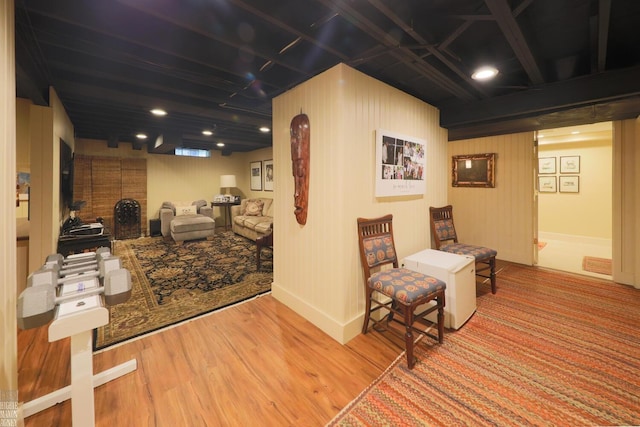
x=597 y=265
x=549 y=349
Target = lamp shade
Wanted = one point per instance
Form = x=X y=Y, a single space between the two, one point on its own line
x=227 y=181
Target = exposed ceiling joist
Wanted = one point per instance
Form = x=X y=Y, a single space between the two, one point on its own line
x=501 y=10
x=215 y=64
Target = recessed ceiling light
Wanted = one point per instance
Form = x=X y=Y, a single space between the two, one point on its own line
x=220 y=144
x=141 y=136
x=485 y=73
x=264 y=129
x=158 y=112
x=207 y=132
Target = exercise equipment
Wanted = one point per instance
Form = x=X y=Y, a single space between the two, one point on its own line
x=46 y=289
x=70 y=291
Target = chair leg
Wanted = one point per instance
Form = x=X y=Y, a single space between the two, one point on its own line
x=440 y=303
x=367 y=311
x=492 y=264
x=408 y=336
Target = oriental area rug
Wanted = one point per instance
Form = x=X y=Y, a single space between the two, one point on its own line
x=172 y=283
x=548 y=349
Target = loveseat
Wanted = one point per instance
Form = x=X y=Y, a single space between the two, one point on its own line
x=187 y=220
x=252 y=218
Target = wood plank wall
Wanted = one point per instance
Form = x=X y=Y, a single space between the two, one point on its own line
x=501 y=217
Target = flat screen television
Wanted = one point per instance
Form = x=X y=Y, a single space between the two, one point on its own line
x=66 y=175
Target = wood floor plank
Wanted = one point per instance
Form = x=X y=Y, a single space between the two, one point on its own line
x=254 y=363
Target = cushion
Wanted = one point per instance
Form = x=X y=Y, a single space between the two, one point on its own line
x=478 y=252
x=264 y=227
x=379 y=250
x=404 y=285
x=253 y=222
x=185 y=224
x=445 y=230
x=186 y=210
x=254 y=208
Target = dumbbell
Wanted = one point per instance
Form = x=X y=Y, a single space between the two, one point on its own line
x=36 y=304
x=77 y=263
x=50 y=273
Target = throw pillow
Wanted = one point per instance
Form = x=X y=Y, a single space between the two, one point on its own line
x=186 y=210
x=254 y=208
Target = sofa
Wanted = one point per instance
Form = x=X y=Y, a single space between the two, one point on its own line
x=187 y=220
x=252 y=218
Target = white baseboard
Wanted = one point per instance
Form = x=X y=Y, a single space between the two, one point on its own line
x=341 y=332
x=572 y=238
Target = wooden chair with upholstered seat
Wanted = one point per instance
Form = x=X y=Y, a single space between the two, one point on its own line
x=403 y=290
x=444 y=234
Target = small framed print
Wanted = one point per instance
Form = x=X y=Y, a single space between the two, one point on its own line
x=547 y=184
x=268 y=175
x=569 y=164
x=255 y=172
x=569 y=184
x=546 y=165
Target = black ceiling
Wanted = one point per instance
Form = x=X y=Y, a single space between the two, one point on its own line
x=218 y=63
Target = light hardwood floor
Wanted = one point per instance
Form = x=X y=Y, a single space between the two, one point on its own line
x=257 y=363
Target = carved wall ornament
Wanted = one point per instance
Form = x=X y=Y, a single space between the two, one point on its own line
x=300 y=141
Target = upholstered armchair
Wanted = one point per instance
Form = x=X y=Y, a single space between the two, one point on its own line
x=187 y=220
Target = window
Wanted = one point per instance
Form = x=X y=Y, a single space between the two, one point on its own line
x=192 y=152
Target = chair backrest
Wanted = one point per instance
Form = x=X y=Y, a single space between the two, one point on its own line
x=442 y=227
x=377 y=248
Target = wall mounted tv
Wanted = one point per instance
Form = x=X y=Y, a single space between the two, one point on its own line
x=66 y=174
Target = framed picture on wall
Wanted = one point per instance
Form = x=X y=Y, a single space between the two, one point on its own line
x=547 y=184
x=474 y=170
x=569 y=164
x=400 y=164
x=569 y=184
x=255 y=173
x=546 y=165
x=268 y=175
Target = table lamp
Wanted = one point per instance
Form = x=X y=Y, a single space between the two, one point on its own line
x=228 y=181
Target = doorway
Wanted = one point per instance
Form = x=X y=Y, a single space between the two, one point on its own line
x=575 y=199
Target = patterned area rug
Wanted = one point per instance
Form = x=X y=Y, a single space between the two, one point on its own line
x=597 y=265
x=172 y=283
x=548 y=349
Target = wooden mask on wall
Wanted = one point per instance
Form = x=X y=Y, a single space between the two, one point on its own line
x=300 y=135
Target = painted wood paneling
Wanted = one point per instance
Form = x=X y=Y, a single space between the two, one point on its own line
x=626 y=202
x=317 y=268
x=500 y=217
x=8 y=260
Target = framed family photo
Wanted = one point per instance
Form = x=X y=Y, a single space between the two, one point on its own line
x=400 y=164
